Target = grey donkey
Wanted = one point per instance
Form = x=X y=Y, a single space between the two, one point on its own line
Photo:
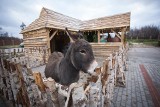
x=79 y=57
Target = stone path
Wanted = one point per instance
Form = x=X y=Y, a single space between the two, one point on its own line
x=136 y=92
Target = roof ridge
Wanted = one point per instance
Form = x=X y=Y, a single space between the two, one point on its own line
x=59 y=13
x=47 y=16
x=108 y=16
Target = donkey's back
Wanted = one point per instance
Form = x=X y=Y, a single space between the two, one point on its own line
x=52 y=67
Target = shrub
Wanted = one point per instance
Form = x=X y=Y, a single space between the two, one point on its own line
x=159 y=43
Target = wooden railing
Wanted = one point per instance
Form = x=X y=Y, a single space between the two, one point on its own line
x=24 y=87
x=31 y=57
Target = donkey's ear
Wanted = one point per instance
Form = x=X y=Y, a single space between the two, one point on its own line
x=80 y=35
x=70 y=36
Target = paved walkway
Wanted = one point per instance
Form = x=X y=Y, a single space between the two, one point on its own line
x=136 y=93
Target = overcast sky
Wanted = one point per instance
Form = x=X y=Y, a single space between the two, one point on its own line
x=14 y=12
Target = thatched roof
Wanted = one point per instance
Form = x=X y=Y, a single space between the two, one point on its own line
x=51 y=19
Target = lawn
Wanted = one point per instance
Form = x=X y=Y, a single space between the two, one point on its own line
x=9 y=46
x=152 y=42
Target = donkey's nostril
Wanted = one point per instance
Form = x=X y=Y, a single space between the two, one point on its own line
x=92 y=66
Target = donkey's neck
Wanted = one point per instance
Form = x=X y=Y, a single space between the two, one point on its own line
x=69 y=73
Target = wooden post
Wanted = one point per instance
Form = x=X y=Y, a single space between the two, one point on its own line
x=94 y=96
x=14 y=83
x=49 y=102
x=49 y=39
x=98 y=70
x=50 y=83
x=72 y=86
x=105 y=72
x=79 y=97
x=22 y=50
x=44 y=54
x=48 y=42
x=22 y=94
x=111 y=62
x=123 y=35
x=115 y=67
x=98 y=36
x=120 y=78
x=39 y=81
x=7 y=81
x=2 y=78
x=14 y=52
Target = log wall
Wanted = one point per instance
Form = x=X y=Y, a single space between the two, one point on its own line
x=36 y=45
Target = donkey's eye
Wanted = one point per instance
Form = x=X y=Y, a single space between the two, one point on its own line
x=82 y=51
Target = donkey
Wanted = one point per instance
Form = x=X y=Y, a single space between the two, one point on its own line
x=79 y=57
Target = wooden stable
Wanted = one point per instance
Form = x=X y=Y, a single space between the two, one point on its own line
x=48 y=31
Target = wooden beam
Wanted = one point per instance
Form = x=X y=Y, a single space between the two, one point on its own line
x=117 y=34
x=53 y=35
x=123 y=35
x=98 y=36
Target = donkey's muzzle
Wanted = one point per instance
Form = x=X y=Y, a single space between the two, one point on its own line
x=92 y=67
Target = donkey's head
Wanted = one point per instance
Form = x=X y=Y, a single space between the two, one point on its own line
x=81 y=54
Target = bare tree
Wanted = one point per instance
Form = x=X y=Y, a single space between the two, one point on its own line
x=146 y=32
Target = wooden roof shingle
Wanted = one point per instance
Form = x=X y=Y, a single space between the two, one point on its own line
x=119 y=20
x=52 y=19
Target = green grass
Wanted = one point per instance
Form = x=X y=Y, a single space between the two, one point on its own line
x=9 y=46
x=151 y=42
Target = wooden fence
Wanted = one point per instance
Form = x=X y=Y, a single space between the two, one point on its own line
x=24 y=87
x=31 y=57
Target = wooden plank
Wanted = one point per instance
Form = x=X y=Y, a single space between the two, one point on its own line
x=53 y=35
x=35 y=43
x=39 y=81
x=107 y=44
x=39 y=37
